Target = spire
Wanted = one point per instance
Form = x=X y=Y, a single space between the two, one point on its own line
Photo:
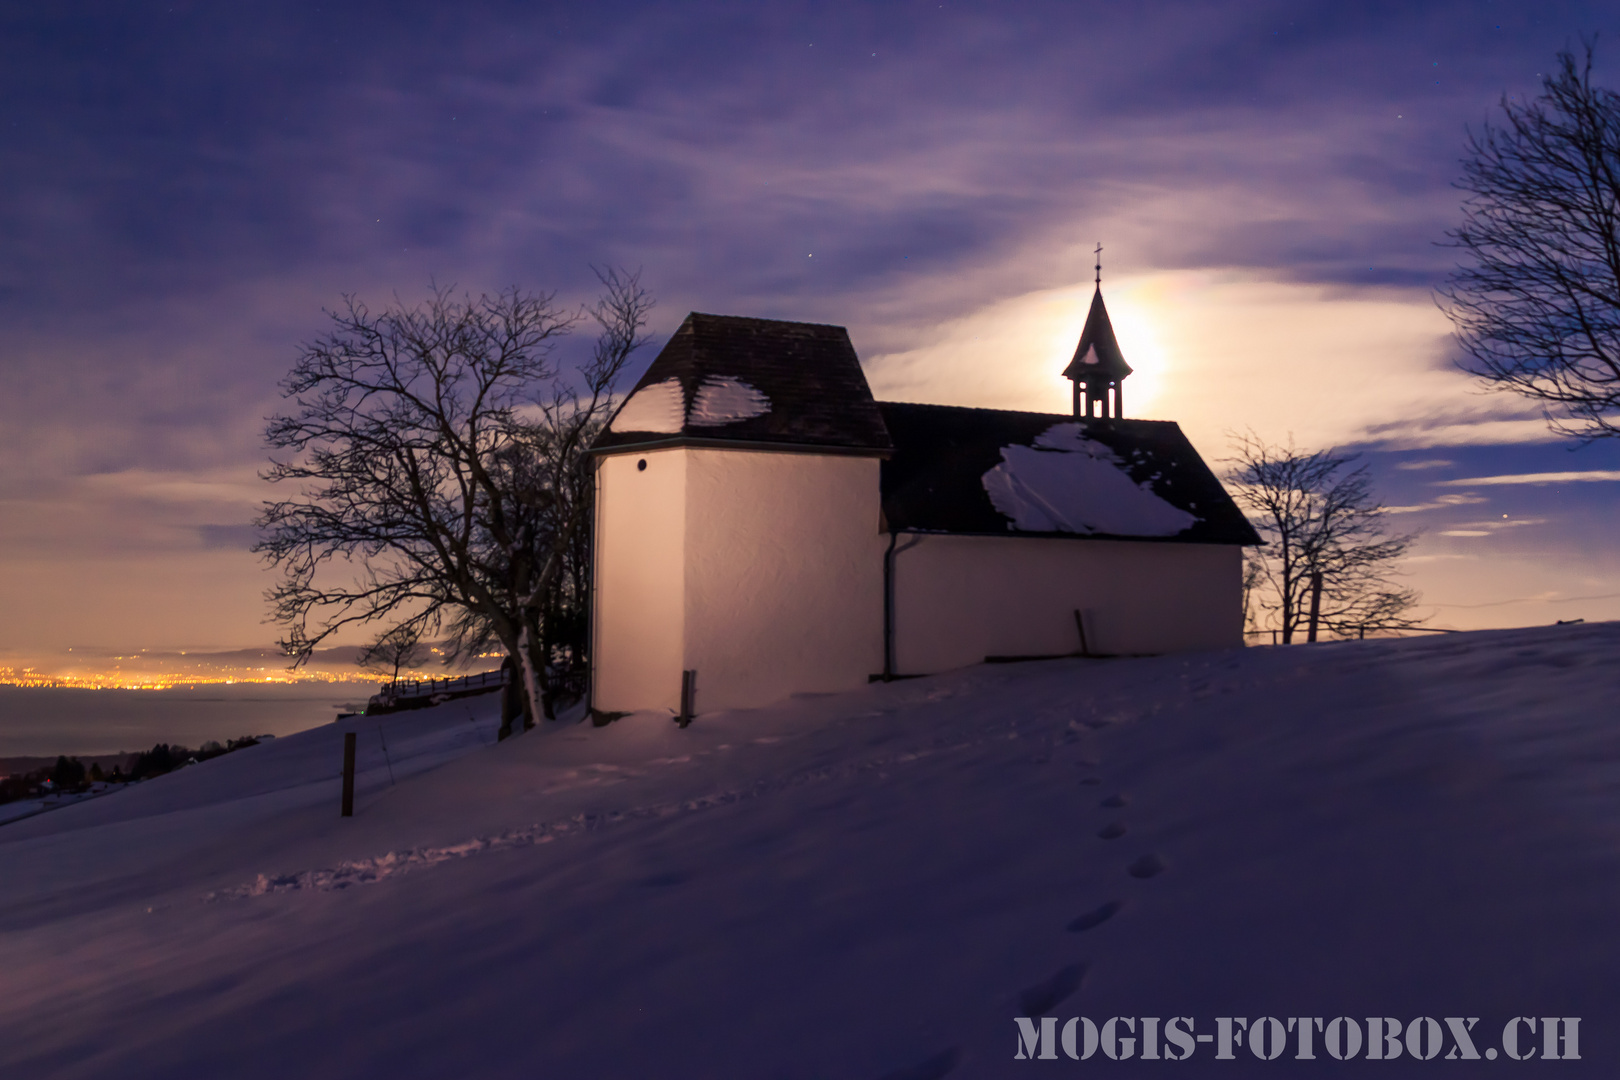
x=1098 y=366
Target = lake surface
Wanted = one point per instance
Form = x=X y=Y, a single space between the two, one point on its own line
x=56 y=720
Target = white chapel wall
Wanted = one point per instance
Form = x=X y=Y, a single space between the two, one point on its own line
x=784 y=575
x=638 y=583
x=962 y=598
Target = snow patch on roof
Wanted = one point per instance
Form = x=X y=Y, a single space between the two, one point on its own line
x=722 y=399
x=660 y=407
x=1066 y=482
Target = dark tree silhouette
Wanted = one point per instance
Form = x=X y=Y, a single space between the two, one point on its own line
x=441 y=453
x=1328 y=557
x=69 y=773
x=1536 y=303
x=395 y=648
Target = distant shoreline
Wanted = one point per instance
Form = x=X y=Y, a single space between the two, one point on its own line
x=44 y=722
x=150 y=683
x=22 y=766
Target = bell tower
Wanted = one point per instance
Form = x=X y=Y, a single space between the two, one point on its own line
x=1098 y=368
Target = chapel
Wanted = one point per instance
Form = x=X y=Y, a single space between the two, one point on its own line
x=764 y=527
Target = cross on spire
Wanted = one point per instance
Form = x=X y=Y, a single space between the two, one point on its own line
x=1099 y=264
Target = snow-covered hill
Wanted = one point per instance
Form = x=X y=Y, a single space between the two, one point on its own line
x=864 y=885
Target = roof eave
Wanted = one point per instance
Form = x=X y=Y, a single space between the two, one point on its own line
x=1078 y=371
x=700 y=442
x=1025 y=534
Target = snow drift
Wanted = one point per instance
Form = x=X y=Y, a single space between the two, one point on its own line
x=864 y=885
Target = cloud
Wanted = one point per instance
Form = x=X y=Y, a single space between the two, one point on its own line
x=1544 y=598
x=233 y=537
x=1441 y=503
x=180 y=194
x=1430 y=463
x=1589 y=476
x=1218 y=350
x=1487 y=528
x=132 y=512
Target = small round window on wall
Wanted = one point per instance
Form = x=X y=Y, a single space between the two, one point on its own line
x=641 y=466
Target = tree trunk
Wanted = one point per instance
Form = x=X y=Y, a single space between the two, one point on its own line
x=1316 y=603
x=1289 y=610
x=536 y=701
x=1290 y=581
x=511 y=696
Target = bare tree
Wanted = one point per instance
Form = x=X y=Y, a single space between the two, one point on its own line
x=441 y=453
x=395 y=648
x=545 y=465
x=1328 y=557
x=1537 y=305
x=1254 y=577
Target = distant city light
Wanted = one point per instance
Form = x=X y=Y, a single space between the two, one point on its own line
x=123 y=680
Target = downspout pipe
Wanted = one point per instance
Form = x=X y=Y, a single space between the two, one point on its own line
x=889 y=601
x=591 y=624
x=888 y=609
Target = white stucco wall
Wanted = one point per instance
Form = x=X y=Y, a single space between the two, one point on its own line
x=639 y=582
x=784 y=585
x=761 y=571
x=962 y=598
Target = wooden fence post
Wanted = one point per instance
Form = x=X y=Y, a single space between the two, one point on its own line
x=348 y=774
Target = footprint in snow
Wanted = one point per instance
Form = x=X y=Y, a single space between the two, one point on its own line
x=1043 y=997
x=1116 y=801
x=1147 y=866
x=1094 y=918
x=941 y=1064
x=1112 y=831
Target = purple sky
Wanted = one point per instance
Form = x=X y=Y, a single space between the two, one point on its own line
x=186 y=185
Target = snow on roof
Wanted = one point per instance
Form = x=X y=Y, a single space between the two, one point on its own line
x=660 y=408
x=1068 y=483
x=758 y=381
x=723 y=400
x=993 y=472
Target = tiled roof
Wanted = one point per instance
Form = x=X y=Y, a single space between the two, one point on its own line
x=756 y=381
x=723 y=380
x=934 y=482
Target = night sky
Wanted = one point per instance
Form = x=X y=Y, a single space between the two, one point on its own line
x=186 y=186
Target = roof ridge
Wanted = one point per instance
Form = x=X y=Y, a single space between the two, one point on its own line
x=1026 y=412
x=769 y=322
